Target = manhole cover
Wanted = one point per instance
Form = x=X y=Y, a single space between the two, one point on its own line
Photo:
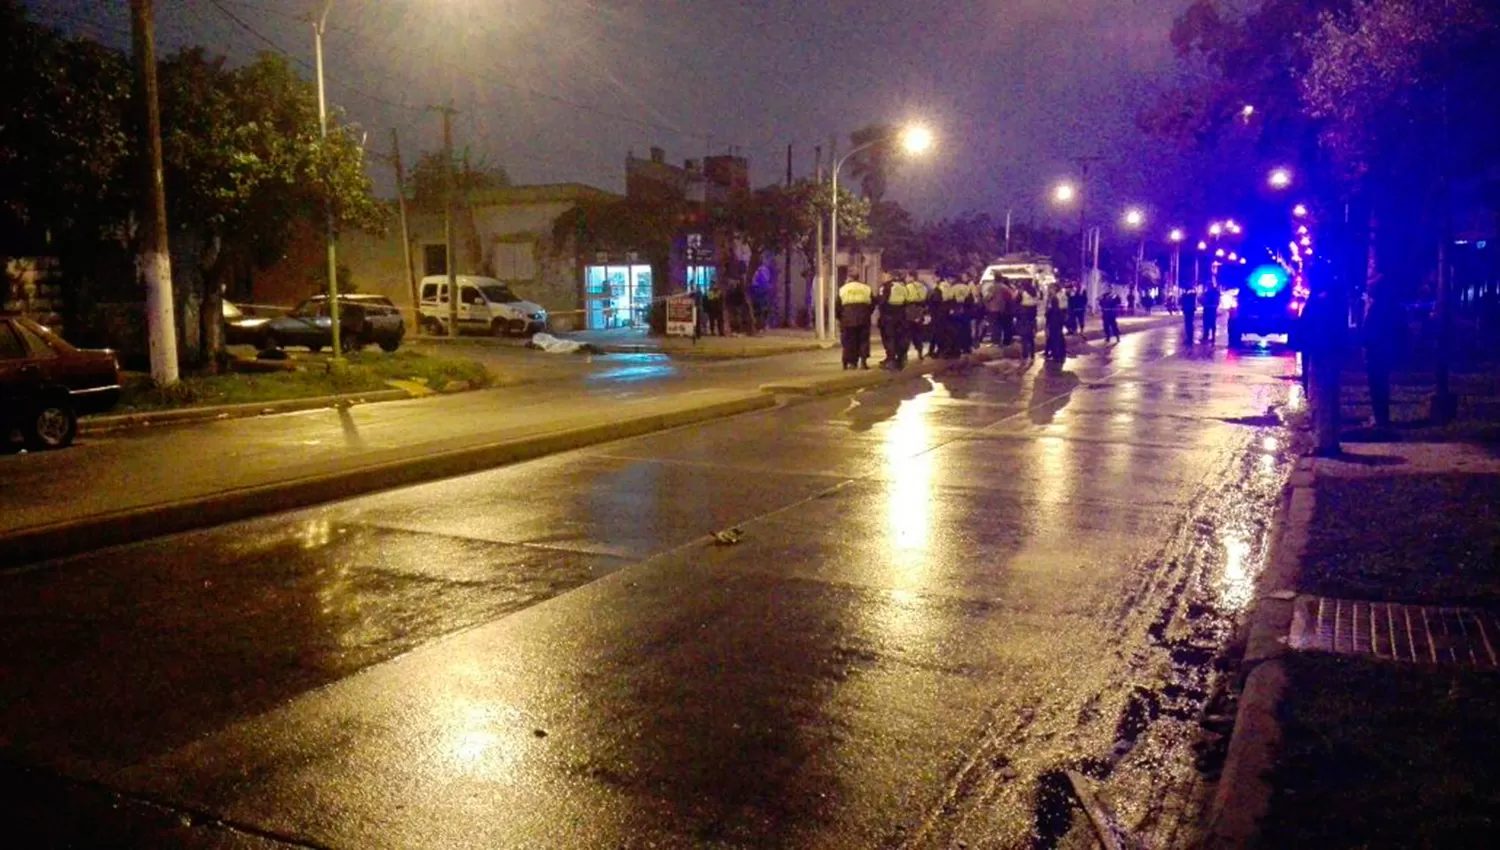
x=1415 y=634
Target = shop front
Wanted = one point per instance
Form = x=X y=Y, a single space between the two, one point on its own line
x=618 y=296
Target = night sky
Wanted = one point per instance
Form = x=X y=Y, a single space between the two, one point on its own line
x=561 y=90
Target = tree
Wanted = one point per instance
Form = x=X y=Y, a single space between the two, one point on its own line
x=429 y=177
x=64 y=146
x=872 y=167
x=245 y=167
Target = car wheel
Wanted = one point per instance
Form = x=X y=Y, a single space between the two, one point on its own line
x=389 y=345
x=352 y=343
x=499 y=328
x=269 y=342
x=51 y=425
x=314 y=348
x=432 y=327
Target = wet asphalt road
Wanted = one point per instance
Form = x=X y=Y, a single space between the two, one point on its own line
x=947 y=591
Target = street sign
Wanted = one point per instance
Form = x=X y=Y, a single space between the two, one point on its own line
x=682 y=315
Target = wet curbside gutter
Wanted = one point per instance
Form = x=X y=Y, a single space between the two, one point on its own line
x=1244 y=790
x=93 y=425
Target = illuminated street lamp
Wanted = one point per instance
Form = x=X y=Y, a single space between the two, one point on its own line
x=1231 y=226
x=1281 y=178
x=915 y=140
x=1176 y=237
x=1065 y=193
x=1135 y=218
x=1216 y=230
x=1300 y=211
x=1219 y=253
x=1202 y=246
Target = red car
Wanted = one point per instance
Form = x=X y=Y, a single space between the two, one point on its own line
x=45 y=383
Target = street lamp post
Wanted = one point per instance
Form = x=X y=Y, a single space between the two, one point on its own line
x=1135 y=219
x=330 y=235
x=916 y=140
x=1176 y=237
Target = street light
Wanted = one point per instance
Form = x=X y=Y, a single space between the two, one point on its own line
x=1280 y=178
x=1065 y=193
x=1300 y=211
x=1231 y=226
x=914 y=139
x=319 y=26
x=1216 y=229
x=1134 y=219
x=1176 y=237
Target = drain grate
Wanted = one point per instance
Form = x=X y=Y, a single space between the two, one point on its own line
x=1415 y=634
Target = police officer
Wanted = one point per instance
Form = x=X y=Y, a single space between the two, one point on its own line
x=1057 y=319
x=940 y=304
x=856 y=305
x=1210 y=304
x=1189 y=302
x=1026 y=304
x=1109 y=308
x=892 y=302
x=916 y=313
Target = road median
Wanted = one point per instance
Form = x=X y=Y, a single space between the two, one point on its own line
x=399 y=468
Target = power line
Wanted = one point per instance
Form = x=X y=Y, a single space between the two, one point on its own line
x=264 y=39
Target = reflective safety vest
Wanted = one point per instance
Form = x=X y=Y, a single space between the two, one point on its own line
x=945 y=289
x=916 y=293
x=896 y=295
x=855 y=292
x=958 y=292
x=1027 y=299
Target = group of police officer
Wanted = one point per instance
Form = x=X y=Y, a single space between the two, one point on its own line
x=947 y=320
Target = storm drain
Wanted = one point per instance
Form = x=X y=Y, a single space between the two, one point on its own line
x=1414 y=634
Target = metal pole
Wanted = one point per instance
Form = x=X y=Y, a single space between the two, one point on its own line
x=155 y=260
x=833 y=246
x=411 y=277
x=448 y=221
x=786 y=262
x=1007 y=231
x=329 y=233
x=818 y=327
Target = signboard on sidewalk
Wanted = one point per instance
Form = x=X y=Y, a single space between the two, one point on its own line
x=682 y=315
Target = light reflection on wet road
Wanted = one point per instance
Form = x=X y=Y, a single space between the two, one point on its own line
x=948 y=591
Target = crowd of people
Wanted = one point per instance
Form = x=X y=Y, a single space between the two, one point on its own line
x=954 y=317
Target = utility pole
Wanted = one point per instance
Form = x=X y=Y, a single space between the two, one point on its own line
x=411 y=278
x=1007 y=231
x=819 y=327
x=831 y=291
x=155 y=260
x=331 y=235
x=786 y=259
x=448 y=113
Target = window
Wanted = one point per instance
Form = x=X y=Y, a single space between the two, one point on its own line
x=434 y=259
x=10 y=345
x=470 y=295
x=429 y=292
x=499 y=293
x=33 y=341
x=515 y=260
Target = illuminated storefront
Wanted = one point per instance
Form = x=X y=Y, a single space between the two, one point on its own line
x=618 y=296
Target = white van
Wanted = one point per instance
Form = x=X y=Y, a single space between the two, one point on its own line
x=484 y=304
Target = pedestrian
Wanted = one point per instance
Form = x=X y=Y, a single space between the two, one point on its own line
x=1109 y=308
x=715 y=304
x=856 y=305
x=892 y=301
x=1130 y=300
x=940 y=304
x=738 y=305
x=1078 y=308
x=916 y=313
x=1026 y=306
x=700 y=313
x=1147 y=302
x=1056 y=318
x=1189 y=303
x=1210 y=304
x=965 y=296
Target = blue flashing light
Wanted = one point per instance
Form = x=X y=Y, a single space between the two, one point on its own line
x=1267 y=281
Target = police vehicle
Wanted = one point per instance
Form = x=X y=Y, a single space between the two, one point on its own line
x=1268 y=302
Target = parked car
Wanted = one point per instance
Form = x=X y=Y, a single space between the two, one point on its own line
x=45 y=383
x=484 y=304
x=242 y=329
x=363 y=319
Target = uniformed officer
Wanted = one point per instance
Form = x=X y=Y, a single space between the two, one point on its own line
x=916 y=313
x=892 y=302
x=856 y=305
x=1026 y=306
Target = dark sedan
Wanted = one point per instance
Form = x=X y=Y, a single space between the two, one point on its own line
x=363 y=319
x=45 y=383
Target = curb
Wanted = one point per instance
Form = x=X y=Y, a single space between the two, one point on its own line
x=130 y=526
x=847 y=381
x=106 y=424
x=1244 y=794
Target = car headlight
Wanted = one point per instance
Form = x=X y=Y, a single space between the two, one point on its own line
x=252 y=323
